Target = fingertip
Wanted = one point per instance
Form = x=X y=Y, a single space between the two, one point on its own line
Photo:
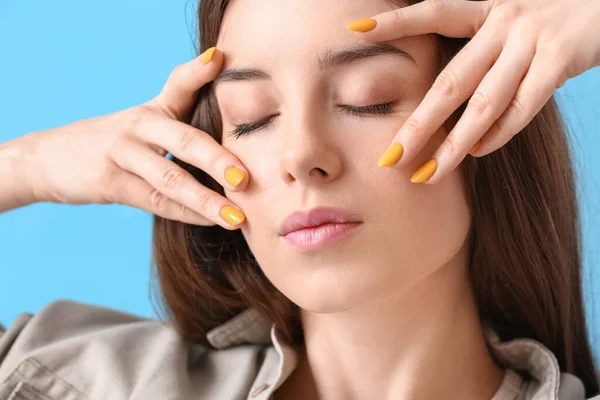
x=391 y=156
x=425 y=172
x=362 y=25
x=207 y=56
x=211 y=58
x=232 y=216
x=236 y=178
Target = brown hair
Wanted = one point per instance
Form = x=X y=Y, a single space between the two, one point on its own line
x=525 y=237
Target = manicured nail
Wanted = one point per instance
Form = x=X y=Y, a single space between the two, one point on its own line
x=475 y=147
x=208 y=55
x=362 y=25
x=232 y=215
x=425 y=172
x=391 y=156
x=234 y=176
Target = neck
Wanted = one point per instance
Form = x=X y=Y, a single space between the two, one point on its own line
x=426 y=341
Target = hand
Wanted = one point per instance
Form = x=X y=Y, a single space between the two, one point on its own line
x=520 y=52
x=120 y=158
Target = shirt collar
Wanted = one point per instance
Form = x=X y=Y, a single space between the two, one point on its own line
x=281 y=358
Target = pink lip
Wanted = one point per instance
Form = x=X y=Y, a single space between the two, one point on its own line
x=318 y=227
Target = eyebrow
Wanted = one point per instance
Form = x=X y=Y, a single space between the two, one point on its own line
x=346 y=56
x=330 y=59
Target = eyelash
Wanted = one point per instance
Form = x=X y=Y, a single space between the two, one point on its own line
x=359 y=111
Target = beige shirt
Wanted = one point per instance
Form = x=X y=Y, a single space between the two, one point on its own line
x=74 y=351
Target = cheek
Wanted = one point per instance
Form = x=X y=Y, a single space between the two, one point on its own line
x=411 y=230
x=263 y=189
x=428 y=224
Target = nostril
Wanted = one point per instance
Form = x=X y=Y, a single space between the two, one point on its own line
x=321 y=171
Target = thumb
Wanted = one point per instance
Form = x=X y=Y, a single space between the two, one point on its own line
x=179 y=93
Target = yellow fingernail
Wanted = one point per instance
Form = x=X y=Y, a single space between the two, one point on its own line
x=232 y=215
x=475 y=147
x=208 y=55
x=362 y=25
x=234 y=176
x=425 y=172
x=391 y=156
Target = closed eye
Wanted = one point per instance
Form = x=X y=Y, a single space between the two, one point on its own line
x=243 y=129
x=368 y=110
x=360 y=111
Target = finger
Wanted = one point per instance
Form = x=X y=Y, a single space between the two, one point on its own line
x=195 y=147
x=453 y=18
x=452 y=87
x=136 y=192
x=535 y=90
x=172 y=181
x=159 y=150
x=488 y=103
x=178 y=96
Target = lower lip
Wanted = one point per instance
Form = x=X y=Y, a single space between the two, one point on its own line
x=319 y=236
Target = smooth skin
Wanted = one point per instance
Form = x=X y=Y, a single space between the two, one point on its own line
x=120 y=158
x=519 y=53
x=386 y=313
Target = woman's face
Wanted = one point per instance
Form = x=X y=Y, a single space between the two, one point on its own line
x=307 y=143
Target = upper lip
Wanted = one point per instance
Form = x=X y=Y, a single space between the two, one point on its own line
x=315 y=217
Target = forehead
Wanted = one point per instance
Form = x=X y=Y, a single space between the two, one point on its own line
x=291 y=29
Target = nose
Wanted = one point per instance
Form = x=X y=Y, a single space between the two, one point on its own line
x=309 y=156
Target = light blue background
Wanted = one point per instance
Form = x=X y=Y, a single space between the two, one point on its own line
x=65 y=60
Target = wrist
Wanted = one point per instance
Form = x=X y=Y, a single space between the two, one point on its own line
x=16 y=184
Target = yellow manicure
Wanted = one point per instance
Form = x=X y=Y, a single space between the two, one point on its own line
x=391 y=156
x=475 y=147
x=425 y=172
x=234 y=176
x=362 y=25
x=232 y=215
x=208 y=55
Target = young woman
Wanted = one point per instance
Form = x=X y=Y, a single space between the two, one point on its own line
x=307 y=264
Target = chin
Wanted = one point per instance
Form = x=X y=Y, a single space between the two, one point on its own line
x=330 y=290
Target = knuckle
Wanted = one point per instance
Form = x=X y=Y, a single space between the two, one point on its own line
x=411 y=127
x=109 y=173
x=158 y=202
x=182 y=212
x=187 y=139
x=116 y=153
x=134 y=118
x=398 y=17
x=497 y=128
x=446 y=84
x=173 y=178
x=505 y=12
x=479 y=103
x=204 y=203
x=215 y=160
x=516 y=107
x=436 y=5
x=449 y=146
